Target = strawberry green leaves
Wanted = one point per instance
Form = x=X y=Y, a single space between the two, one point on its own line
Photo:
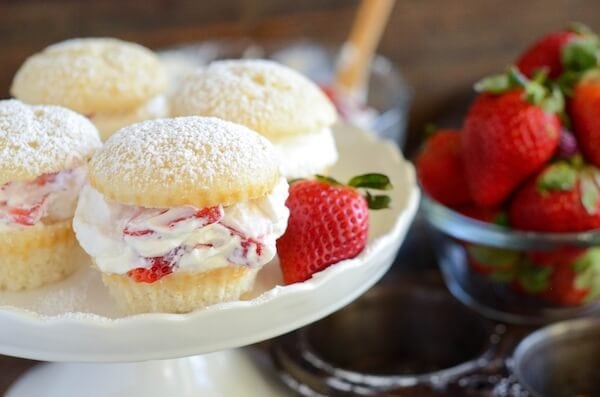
x=559 y=176
x=536 y=92
x=371 y=181
x=589 y=192
x=366 y=181
x=581 y=54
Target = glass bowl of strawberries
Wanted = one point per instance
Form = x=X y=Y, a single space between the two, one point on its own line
x=511 y=275
x=513 y=196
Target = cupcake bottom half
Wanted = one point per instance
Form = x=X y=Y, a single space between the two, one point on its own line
x=181 y=292
x=38 y=255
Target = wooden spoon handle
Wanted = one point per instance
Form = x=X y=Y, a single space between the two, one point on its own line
x=357 y=52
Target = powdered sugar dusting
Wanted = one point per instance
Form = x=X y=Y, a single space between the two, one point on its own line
x=35 y=140
x=183 y=153
x=91 y=75
x=272 y=99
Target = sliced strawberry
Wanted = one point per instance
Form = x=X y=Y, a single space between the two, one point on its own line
x=45 y=178
x=208 y=216
x=246 y=244
x=160 y=267
x=27 y=216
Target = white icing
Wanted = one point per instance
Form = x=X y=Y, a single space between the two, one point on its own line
x=49 y=198
x=305 y=155
x=123 y=237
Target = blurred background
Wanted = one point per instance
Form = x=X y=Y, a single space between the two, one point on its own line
x=441 y=47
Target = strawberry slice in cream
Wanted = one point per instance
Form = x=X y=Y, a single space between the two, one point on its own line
x=150 y=243
x=49 y=198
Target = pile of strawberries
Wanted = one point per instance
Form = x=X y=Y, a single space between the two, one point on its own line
x=527 y=158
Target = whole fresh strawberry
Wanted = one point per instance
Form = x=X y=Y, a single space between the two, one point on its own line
x=546 y=53
x=499 y=264
x=570 y=50
x=488 y=215
x=564 y=276
x=440 y=169
x=585 y=115
x=562 y=198
x=510 y=131
x=328 y=223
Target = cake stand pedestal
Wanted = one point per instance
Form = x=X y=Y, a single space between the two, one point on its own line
x=226 y=373
x=102 y=352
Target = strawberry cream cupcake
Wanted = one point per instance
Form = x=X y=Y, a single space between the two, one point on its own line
x=182 y=213
x=113 y=82
x=43 y=156
x=272 y=99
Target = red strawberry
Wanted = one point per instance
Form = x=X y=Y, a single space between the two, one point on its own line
x=487 y=215
x=546 y=53
x=440 y=169
x=563 y=290
x=573 y=277
x=500 y=264
x=585 y=114
x=509 y=133
x=328 y=223
x=563 y=256
x=560 y=199
x=160 y=267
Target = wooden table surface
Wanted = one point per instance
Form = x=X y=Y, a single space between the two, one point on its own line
x=441 y=46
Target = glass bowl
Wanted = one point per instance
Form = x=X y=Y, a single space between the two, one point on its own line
x=388 y=96
x=515 y=276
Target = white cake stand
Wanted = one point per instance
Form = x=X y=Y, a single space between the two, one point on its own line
x=76 y=321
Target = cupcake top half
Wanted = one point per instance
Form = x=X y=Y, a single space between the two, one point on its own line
x=43 y=156
x=37 y=140
x=194 y=161
x=270 y=98
x=113 y=82
x=274 y=100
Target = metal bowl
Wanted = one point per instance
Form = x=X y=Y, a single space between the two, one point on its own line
x=561 y=360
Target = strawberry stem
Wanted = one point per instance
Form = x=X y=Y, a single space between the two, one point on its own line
x=536 y=92
x=366 y=181
x=378 y=202
x=371 y=181
x=327 y=179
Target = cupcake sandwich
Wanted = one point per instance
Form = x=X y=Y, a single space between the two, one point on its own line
x=181 y=213
x=272 y=99
x=113 y=82
x=43 y=156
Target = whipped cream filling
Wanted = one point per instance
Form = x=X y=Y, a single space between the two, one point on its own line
x=305 y=155
x=122 y=238
x=49 y=198
x=108 y=123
